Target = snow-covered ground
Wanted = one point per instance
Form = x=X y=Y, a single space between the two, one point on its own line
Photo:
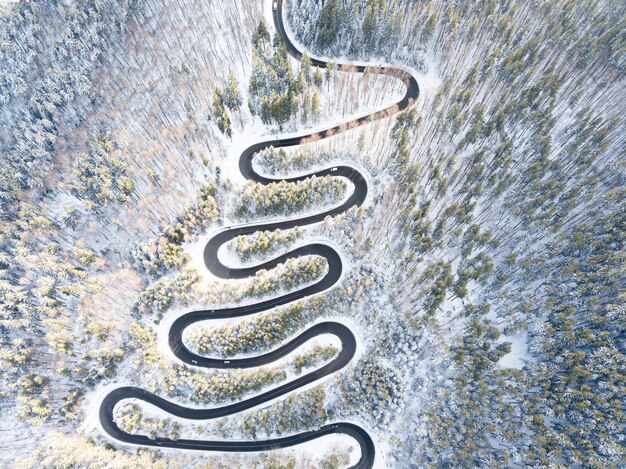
x=243 y=136
x=91 y=424
x=518 y=357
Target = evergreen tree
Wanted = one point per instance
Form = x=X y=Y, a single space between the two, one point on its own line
x=223 y=123
x=315 y=105
x=305 y=66
x=220 y=113
x=330 y=71
x=305 y=107
x=232 y=96
x=266 y=110
x=317 y=78
x=261 y=35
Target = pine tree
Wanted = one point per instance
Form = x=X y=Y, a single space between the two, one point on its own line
x=261 y=35
x=317 y=79
x=305 y=66
x=302 y=82
x=223 y=123
x=220 y=113
x=330 y=71
x=266 y=110
x=368 y=27
x=315 y=105
x=232 y=96
x=305 y=107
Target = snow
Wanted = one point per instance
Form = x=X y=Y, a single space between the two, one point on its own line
x=314 y=450
x=431 y=80
x=315 y=209
x=94 y=398
x=321 y=340
x=519 y=355
x=339 y=160
x=195 y=249
x=164 y=327
x=255 y=132
x=92 y=401
x=342 y=60
x=328 y=444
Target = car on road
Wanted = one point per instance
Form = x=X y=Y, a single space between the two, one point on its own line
x=275 y=6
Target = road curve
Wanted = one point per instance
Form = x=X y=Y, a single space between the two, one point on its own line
x=212 y=262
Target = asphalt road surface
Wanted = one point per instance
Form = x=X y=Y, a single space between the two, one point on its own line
x=348 y=342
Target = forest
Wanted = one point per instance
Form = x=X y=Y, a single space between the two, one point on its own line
x=484 y=273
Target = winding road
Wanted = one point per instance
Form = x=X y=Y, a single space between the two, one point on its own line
x=348 y=342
